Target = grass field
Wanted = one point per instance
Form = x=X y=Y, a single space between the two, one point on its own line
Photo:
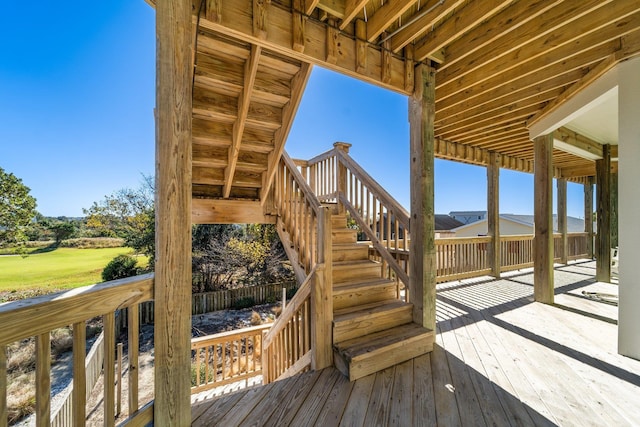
x=61 y=268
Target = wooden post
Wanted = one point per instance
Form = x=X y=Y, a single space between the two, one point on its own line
x=119 y=383
x=422 y=284
x=322 y=297
x=588 y=214
x=613 y=209
x=561 y=184
x=493 y=212
x=603 y=216
x=109 y=327
x=543 y=219
x=173 y=213
x=342 y=175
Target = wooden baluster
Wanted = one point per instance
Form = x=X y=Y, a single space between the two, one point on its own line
x=108 y=321
x=133 y=338
x=43 y=380
x=79 y=374
x=119 y=390
x=4 y=413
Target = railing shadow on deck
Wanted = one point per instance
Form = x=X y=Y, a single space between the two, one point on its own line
x=461 y=304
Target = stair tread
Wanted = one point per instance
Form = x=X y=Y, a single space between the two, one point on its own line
x=351 y=313
x=354 y=263
x=360 y=284
x=374 y=343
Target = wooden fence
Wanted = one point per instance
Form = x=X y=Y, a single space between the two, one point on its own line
x=63 y=416
x=218 y=300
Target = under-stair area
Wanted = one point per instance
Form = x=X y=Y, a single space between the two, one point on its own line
x=372 y=328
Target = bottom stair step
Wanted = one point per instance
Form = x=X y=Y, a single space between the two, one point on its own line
x=371 y=353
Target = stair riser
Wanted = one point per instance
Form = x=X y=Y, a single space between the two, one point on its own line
x=370 y=323
x=339 y=221
x=344 y=236
x=356 y=253
x=365 y=296
x=343 y=275
x=379 y=360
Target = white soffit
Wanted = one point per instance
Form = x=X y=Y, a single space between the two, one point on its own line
x=600 y=123
x=568 y=148
x=596 y=99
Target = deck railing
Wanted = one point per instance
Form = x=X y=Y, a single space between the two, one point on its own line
x=37 y=317
x=295 y=343
x=227 y=357
x=384 y=222
x=516 y=252
x=462 y=257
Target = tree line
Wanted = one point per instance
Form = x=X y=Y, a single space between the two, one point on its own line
x=224 y=255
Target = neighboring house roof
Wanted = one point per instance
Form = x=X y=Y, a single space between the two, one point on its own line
x=574 y=225
x=446 y=223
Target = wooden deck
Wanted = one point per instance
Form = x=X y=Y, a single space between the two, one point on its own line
x=500 y=359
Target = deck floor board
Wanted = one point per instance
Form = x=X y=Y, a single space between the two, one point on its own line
x=499 y=359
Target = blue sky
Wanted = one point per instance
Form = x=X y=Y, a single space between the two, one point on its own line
x=77 y=93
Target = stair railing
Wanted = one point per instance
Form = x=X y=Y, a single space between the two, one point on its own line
x=336 y=176
x=301 y=336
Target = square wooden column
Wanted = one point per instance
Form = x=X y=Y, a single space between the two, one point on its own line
x=543 y=219
x=493 y=212
x=603 y=216
x=588 y=214
x=422 y=288
x=562 y=218
x=173 y=213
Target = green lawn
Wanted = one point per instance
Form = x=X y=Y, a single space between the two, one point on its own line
x=61 y=268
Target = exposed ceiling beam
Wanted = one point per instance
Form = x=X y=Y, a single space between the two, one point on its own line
x=528 y=73
x=236 y=21
x=250 y=71
x=219 y=211
x=467 y=17
x=629 y=47
x=351 y=10
x=333 y=7
x=309 y=5
x=572 y=142
x=506 y=21
x=389 y=12
x=567 y=40
x=438 y=9
x=580 y=171
x=298 y=83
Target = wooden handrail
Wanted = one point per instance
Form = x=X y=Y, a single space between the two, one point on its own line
x=375 y=188
x=294 y=305
x=304 y=186
x=37 y=317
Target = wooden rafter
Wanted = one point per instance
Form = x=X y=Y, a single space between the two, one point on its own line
x=351 y=9
x=629 y=47
x=388 y=13
x=298 y=84
x=581 y=35
x=439 y=10
x=469 y=16
x=251 y=68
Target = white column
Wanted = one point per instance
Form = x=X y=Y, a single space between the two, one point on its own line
x=629 y=208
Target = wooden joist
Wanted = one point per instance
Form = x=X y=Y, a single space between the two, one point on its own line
x=225 y=211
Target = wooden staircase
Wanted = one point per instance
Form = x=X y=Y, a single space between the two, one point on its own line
x=372 y=328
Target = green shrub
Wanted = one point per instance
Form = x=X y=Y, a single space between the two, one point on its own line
x=244 y=302
x=203 y=375
x=120 y=267
x=93 y=243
